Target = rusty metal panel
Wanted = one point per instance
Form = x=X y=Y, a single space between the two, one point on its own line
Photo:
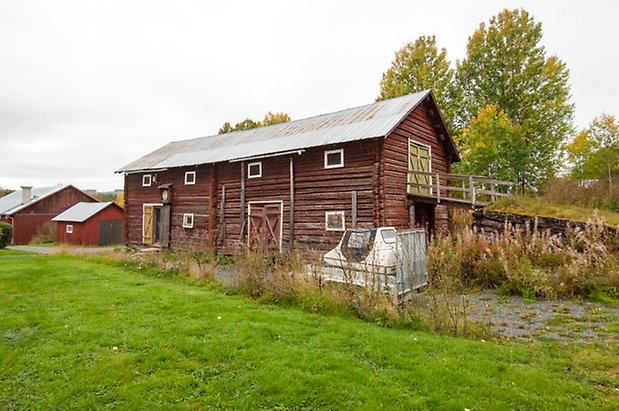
x=358 y=123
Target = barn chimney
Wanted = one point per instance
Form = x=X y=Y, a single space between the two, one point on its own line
x=26 y=194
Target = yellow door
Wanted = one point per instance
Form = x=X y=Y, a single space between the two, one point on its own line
x=148 y=224
x=419 y=162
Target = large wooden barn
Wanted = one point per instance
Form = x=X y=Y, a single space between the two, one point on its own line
x=28 y=208
x=299 y=183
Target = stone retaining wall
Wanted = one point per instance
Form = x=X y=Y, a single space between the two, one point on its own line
x=494 y=221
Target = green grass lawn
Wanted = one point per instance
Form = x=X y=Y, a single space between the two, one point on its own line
x=86 y=333
x=5 y=252
x=529 y=205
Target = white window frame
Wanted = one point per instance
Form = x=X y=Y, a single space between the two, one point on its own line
x=330 y=213
x=257 y=163
x=187 y=174
x=186 y=223
x=339 y=151
x=148 y=177
x=69 y=229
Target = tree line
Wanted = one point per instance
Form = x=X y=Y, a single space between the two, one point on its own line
x=507 y=104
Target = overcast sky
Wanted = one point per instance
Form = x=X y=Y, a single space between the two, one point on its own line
x=89 y=86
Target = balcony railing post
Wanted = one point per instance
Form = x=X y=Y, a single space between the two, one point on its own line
x=472 y=188
x=438 y=188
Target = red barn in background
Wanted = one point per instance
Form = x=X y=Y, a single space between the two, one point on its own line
x=90 y=224
x=29 y=208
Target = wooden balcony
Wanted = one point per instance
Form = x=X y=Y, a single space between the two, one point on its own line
x=476 y=191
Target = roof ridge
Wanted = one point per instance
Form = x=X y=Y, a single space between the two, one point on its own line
x=237 y=132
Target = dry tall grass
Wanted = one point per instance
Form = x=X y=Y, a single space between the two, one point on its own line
x=530 y=262
x=46 y=233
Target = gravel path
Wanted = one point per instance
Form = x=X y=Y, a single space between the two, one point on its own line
x=565 y=321
x=55 y=250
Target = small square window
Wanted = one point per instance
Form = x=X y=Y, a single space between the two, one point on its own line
x=254 y=170
x=334 y=221
x=187 y=220
x=334 y=158
x=146 y=180
x=69 y=229
x=190 y=178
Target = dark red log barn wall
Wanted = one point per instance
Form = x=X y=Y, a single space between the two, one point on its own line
x=375 y=168
x=87 y=232
x=421 y=126
x=27 y=222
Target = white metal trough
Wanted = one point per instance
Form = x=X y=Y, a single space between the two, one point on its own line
x=379 y=258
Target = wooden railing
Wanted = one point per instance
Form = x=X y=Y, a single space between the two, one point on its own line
x=459 y=188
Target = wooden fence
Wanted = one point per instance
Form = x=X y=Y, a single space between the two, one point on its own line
x=457 y=188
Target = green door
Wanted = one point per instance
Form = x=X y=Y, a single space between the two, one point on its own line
x=419 y=161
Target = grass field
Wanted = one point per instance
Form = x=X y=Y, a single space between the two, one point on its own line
x=529 y=205
x=5 y=252
x=79 y=333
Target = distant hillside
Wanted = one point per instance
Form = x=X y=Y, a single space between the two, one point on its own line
x=5 y=191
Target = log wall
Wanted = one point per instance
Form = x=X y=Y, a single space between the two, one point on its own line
x=419 y=127
x=376 y=169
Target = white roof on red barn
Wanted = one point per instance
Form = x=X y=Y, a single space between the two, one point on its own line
x=12 y=203
x=81 y=212
x=358 y=123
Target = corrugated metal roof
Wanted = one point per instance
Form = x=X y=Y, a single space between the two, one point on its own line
x=12 y=203
x=81 y=212
x=358 y=123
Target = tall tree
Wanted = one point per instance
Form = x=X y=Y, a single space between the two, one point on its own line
x=418 y=66
x=247 y=124
x=492 y=145
x=594 y=151
x=274 y=118
x=506 y=66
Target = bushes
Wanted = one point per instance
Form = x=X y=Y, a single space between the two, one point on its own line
x=45 y=234
x=529 y=262
x=6 y=234
x=589 y=193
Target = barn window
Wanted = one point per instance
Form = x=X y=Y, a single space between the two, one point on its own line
x=190 y=178
x=334 y=158
x=187 y=220
x=334 y=221
x=146 y=180
x=69 y=228
x=254 y=170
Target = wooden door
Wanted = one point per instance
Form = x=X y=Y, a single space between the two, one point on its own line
x=163 y=234
x=419 y=160
x=147 y=224
x=265 y=226
x=110 y=232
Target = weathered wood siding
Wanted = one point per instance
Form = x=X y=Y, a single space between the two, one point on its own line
x=420 y=127
x=28 y=221
x=316 y=190
x=319 y=190
x=376 y=169
x=192 y=199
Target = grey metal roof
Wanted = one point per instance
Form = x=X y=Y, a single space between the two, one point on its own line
x=12 y=203
x=358 y=123
x=81 y=212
